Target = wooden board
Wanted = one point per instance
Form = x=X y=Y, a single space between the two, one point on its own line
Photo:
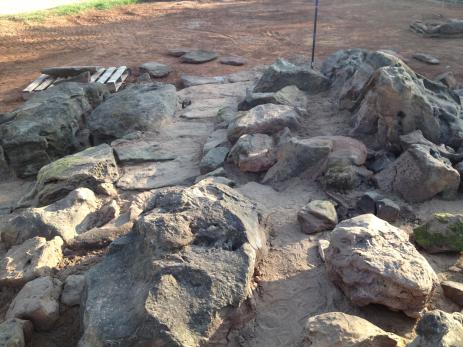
x=117 y=78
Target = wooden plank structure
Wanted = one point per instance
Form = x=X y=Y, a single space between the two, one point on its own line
x=113 y=77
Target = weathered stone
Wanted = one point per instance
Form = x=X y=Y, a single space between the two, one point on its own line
x=233 y=60
x=426 y=58
x=15 y=332
x=37 y=301
x=72 y=291
x=191 y=80
x=284 y=73
x=454 y=291
x=292 y=96
x=156 y=70
x=4 y=169
x=439 y=329
x=216 y=139
x=253 y=153
x=368 y=202
x=374 y=263
x=341 y=177
x=337 y=329
x=387 y=210
x=213 y=159
x=447 y=28
x=443 y=232
x=178 y=52
x=265 y=119
x=34 y=258
x=322 y=247
x=419 y=174
x=380 y=161
x=448 y=79
x=44 y=128
x=67 y=71
x=198 y=57
x=316 y=216
x=193 y=252
x=254 y=99
x=142 y=107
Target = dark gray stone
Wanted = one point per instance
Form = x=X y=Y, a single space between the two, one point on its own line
x=213 y=159
x=155 y=69
x=233 y=60
x=426 y=58
x=198 y=57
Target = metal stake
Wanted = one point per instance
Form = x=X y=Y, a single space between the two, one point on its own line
x=314 y=39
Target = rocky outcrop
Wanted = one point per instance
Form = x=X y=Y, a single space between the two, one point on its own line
x=443 y=232
x=254 y=153
x=316 y=216
x=337 y=329
x=15 y=332
x=46 y=127
x=420 y=174
x=34 y=258
x=193 y=253
x=373 y=262
x=142 y=107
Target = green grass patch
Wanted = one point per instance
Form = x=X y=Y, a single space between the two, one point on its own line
x=70 y=9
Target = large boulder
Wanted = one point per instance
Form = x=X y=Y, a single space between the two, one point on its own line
x=373 y=262
x=254 y=153
x=46 y=127
x=34 y=258
x=142 y=107
x=265 y=119
x=284 y=73
x=178 y=276
x=94 y=168
x=419 y=174
x=37 y=301
x=443 y=232
x=337 y=329
x=78 y=212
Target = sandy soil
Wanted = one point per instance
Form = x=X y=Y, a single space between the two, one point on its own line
x=260 y=30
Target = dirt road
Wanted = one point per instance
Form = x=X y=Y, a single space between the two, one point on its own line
x=260 y=30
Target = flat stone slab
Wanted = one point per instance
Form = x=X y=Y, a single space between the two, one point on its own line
x=198 y=57
x=155 y=69
x=139 y=151
x=233 y=61
x=426 y=58
x=215 y=91
x=207 y=108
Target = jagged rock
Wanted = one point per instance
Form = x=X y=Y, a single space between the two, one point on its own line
x=72 y=291
x=233 y=60
x=68 y=217
x=34 y=258
x=337 y=329
x=265 y=119
x=213 y=159
x=426 y=58
x=419 y=174
x=193 y=253
x=216 y=139
x=439 y=329
x=284 y=73
x=142 y=107
x=448 y=79
x=253 y=153
x=44 y=128
x=373 y=262
x=453 y=291
x=316 y=216
x=439 y=28
x=198 y=57
x=443 y=232
x=156 y=70
x=92 y=168
x=15 y=332
x=37 y=301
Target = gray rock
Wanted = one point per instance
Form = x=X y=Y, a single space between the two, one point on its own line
x=374 y=263
x=254 y=99
x=453 y=291
x=368 y=202
x=217 y=139
x=292 y=96
x=144 y=78
x=265 y=119
x=418 y=175
x=448 y=79
x=37 y=301
x=233 y=60
x=213 y=159
x=34 y=258
x=341 y=178
x=69 y=71
x=178 y=52
x=254 y=153
x=140 y=107
x=194 y=254
x=156 y=70
x=130 y=151
x=72 y=290
x=198 y=57
x=387 y=210
x=380 y=161
x=4 y=169
x=316 y=216
x=439 y=329
x=284 y=73
x=15 y=332
x=44 y=128
x=445 y=28
x=191 y=80
x=426 y=58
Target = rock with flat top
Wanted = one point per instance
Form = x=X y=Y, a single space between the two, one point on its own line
x=198 y=57
x=454 y=291
x=156 y=70
x=316 y=216
x=254 y=153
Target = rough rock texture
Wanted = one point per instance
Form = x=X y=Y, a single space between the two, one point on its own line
x=443 y=232
x=373 y=262
x=218 y=138
x=213 y=159
x=193 y=253
x=72 y=291
x=38 y=302
x=316 y=216
x=233 y=60
x=284 y=73
x=45 y=127
x=265 y=119
x=254 y=153
x=15 y=332
x=156 y=70
x=448 y=79
x=439 y=329
x=337 y=329
x=419 y=174
x=142 y=107
x=444 y=28
x=453 y=291
x=34 y=258
x=76 y=213
x=94 y=168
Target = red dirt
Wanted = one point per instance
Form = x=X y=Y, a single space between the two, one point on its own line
x=259 y=30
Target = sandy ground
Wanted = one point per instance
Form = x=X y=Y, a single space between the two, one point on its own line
x=9 y=7
x=260 y=30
